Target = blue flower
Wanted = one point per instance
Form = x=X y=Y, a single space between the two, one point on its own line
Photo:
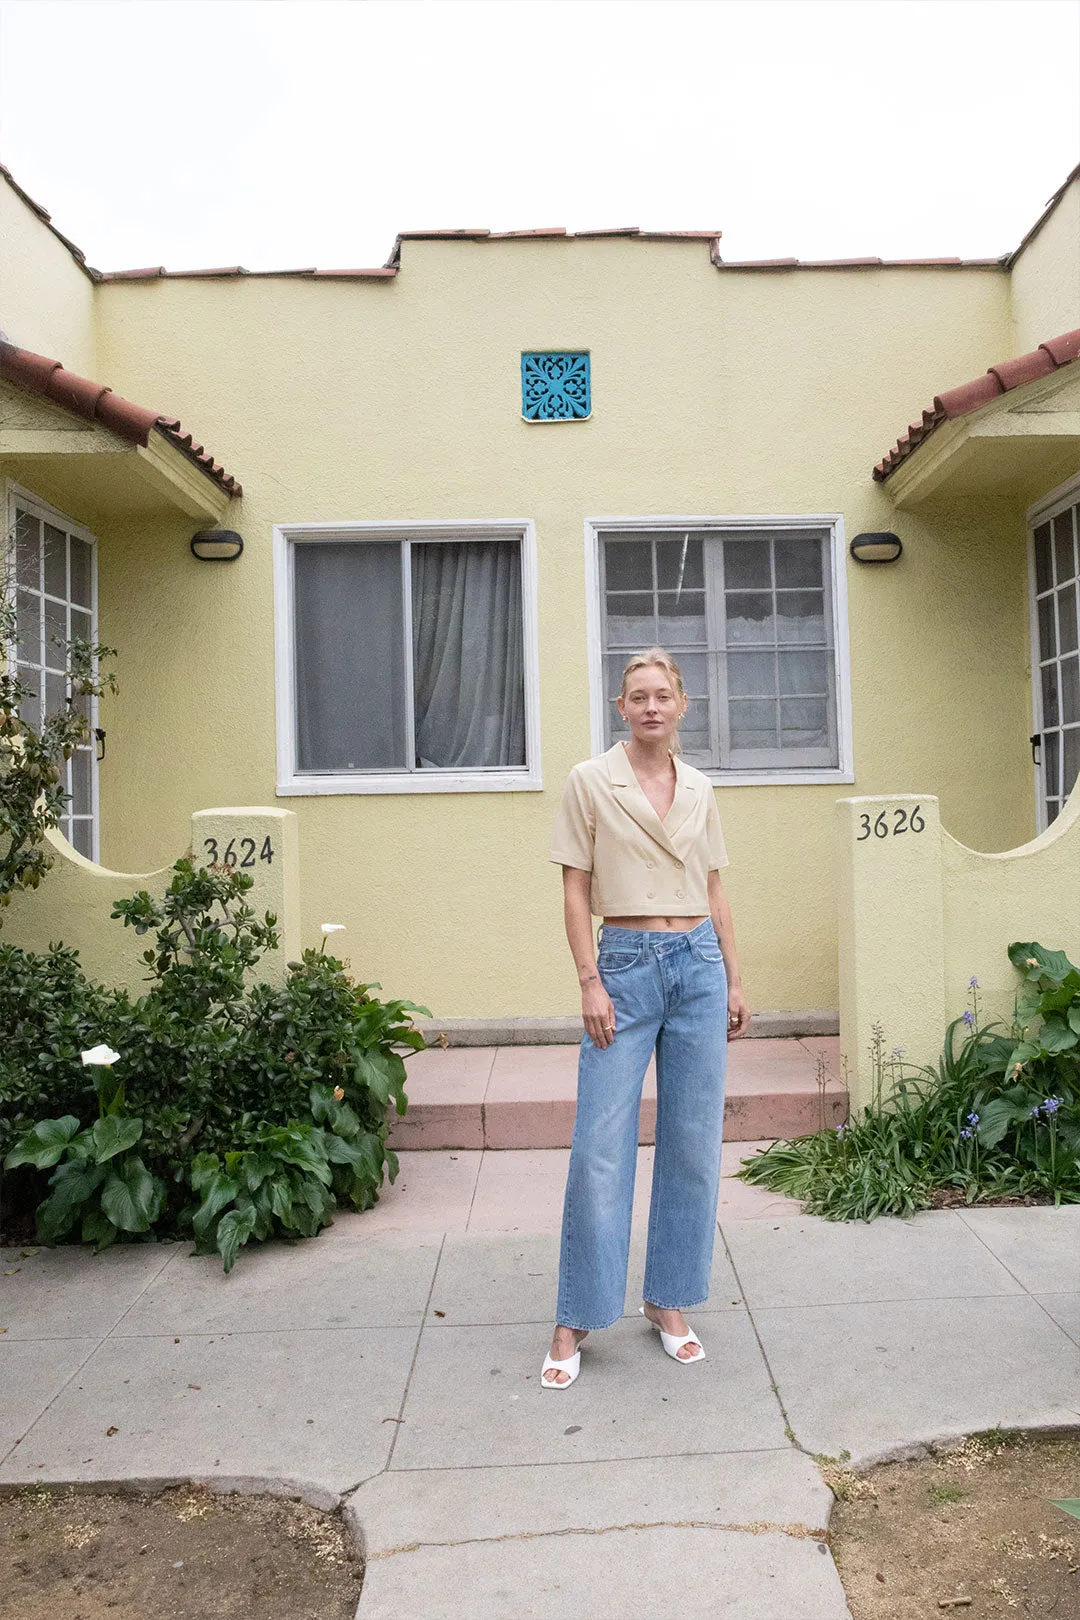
x=1051 y=1105
x=1034 y=1112
x=969 y=1019
x=897 y=1053
x=840 y=1129
x=973 y=1119
x=966 y=1134
x=973 y=983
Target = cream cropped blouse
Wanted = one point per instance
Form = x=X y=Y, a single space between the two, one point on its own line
x=641 y=866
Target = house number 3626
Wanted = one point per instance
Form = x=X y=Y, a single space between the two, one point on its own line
x=902 y=822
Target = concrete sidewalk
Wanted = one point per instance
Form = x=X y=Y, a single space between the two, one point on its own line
x=394 y=1363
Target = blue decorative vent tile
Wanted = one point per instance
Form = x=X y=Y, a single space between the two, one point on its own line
x=554 y=387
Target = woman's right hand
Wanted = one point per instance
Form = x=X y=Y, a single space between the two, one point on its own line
x=597 y=1013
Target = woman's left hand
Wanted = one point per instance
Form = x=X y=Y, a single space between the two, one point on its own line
x=738 y=1014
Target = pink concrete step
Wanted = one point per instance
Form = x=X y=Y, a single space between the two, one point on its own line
x=523 y=1096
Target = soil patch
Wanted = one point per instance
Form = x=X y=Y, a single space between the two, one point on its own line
x=975 y=1522
x=183 y=1554
x=956 y=1198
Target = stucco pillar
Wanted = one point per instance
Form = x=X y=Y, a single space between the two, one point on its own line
x=891 y=931
x=265 y=844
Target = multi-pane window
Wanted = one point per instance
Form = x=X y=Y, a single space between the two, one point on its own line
x=408 y=656
x=1058 y=684
x=747 y=614
x=54 y=597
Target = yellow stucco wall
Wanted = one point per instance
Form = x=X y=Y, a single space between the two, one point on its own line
x=46 y=300
x=713 y=393
x=921 y=915
x=1045 y=279
x=73 y=903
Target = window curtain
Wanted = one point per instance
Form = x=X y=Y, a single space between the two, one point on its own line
x=350 y=657
x=468 y=658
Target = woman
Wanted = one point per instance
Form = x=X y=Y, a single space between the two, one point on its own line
x=638 y=838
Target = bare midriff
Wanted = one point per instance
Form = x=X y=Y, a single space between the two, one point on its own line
x=655 y=925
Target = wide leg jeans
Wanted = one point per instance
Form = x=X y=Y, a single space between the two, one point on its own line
x=669 y=991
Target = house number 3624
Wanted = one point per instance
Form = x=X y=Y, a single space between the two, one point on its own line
x=902 y=822
x=242 y=856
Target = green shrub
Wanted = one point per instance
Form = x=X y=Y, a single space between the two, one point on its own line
x=49 y=1014
x=234 y=1111
x=98 y=1182
x=998 y=1116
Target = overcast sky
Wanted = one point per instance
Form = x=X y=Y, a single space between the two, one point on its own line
x=193 y=133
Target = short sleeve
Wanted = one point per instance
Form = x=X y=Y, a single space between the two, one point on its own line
x=714 y=835
x=575 y=826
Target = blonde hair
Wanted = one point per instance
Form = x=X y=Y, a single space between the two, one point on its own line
x=658 y=658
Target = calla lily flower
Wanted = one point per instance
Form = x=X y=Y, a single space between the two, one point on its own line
x=332 y=928
x=103 y=1055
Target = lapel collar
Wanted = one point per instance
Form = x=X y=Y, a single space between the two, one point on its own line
x=630 y=795
x=686 y=794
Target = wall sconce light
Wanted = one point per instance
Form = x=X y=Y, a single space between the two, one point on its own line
x=216 y=545
x=876 y=548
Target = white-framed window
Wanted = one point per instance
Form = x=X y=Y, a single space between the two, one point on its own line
x=52 y=567
x=1054 y=565
x=754 y=610
x=406 y=657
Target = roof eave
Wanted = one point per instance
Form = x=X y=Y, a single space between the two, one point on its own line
x=1021 y=443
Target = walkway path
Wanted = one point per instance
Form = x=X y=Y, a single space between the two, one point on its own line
x=394 y=1363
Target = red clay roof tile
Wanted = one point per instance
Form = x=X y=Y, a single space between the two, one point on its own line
x=858 y=264
x=97 y=403
x=151 y=273
x=954 y=402
x=968 y=396
x=1024 y=369
x=159 y=273
x=1063 y=350
x=481 y=233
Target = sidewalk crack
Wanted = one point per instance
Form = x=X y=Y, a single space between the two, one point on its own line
x=412 y=1364
x=169 y=1258
x=788 y=1430
x=753 y=1527
x=1028 y=1294
x=10 y=1452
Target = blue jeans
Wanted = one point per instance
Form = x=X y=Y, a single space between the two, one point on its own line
x=670 y=993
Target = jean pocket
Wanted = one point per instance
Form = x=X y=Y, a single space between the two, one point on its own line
x=708 y=950
x=613 y=960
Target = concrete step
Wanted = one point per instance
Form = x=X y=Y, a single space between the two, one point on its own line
x=523 y=1096
x=567 y=1031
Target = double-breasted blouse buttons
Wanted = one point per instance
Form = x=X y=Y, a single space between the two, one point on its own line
x=607 y=828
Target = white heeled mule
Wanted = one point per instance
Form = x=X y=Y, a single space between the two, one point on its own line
x=673 y=1342
x=571 y=1366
